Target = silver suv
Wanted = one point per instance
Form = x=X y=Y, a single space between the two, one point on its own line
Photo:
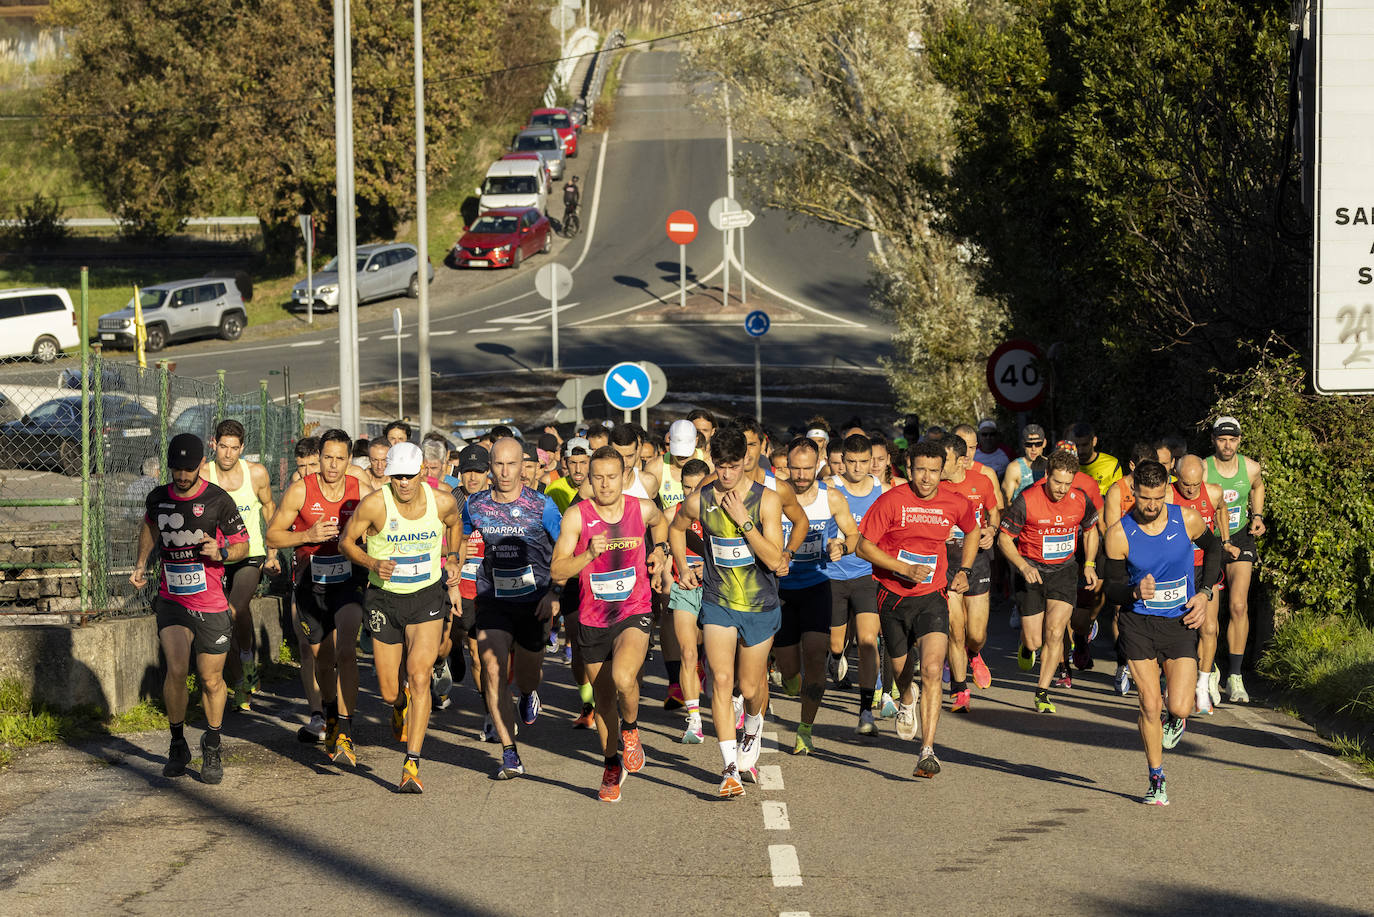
x=385 y=269
x=178 y=311
x=546 y=143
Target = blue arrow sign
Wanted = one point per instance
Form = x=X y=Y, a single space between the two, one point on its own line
x=626 y=386
x=756 y=323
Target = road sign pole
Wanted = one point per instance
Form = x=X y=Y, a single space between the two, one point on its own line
x=743 y=291
x=725 y=237
x=553 y=302
x=758 y=380
x=422 y=361
x=400 y=396
x=682 y=272
x=580 y=395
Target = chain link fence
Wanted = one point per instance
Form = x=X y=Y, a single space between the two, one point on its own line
x=52 y=502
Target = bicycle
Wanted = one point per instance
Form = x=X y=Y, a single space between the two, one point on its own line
x=572 y=223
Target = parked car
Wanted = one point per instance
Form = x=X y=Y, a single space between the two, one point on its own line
x=385 y=269
x=49 y=436
x=37 y=322
x=544 y=141
x=177 y=311
x=513 y=183
x=532 y=157
x=560 y=121
x=503 y=238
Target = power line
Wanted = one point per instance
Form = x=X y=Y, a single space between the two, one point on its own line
x=212 y=110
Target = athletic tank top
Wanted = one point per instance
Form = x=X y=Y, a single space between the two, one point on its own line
x=807 y=567
x=324 y=563
x=1203 y=504
x=636 y=489
x=615 y=585
x=1168 y=557
x=1128 y=495
x=1028 y=475
x=415 y=545
x=730 y=576
x=851 y=565
x=1235 y=492
x=250 y=507
x=477 y=549
x=669 y=491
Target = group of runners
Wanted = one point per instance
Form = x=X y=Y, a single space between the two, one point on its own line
x=760 y=563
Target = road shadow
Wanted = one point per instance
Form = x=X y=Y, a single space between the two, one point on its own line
x=504 y=350
x=636 y=283
x=672 y=272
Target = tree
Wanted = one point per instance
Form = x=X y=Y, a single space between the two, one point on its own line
x=845 y=123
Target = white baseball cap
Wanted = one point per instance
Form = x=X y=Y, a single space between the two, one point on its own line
x=404 y=459
x=682 y=439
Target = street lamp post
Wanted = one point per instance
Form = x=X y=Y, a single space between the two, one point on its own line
x=422 y=233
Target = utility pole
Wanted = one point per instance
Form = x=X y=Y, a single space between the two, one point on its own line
x=344 y=217
x=422 y=234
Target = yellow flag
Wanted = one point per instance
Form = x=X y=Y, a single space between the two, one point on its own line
x=140 y=332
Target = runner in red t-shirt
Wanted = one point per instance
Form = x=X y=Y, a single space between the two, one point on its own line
x=1039 y=537
x=903 y=536
x=194 y=528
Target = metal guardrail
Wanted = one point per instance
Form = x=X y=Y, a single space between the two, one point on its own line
x=596 y=76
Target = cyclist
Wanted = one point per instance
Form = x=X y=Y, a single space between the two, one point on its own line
x=572 y=196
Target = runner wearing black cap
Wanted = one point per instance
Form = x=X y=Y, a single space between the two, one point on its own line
x=1241 y=480
x=1029 y=466
x=195 y=528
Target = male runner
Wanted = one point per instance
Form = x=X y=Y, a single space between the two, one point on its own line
x=990 y=450
x=307 y=452
x=598 y=435
x=530 y=469
x=1029 y=466
x=903 y=535
x=1101 y=467
x=742 y=524
x=1117 y=503
x=398 y=431
x=1241 y=480
x=625 y=439
x=853 y=591
x=1207 y=499
x=514 y=605
x=684 y=605
x=565 y=492
x=968 y=610
x=195 y=529
x=327 y=591
x=405 y=526
x=601 y=544
x=973 y=466
x=474 y=465
x=704 y=421
x=374 y=473
x=1038 y=537
x=251 y=488
x=577 y=453
x=803 y=639
x=682 y=446
x=1151 y=571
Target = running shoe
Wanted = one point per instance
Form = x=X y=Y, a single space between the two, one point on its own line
x=1203 y=700
x=410 y=778
x=693 y=735
x=1214 y=685
x=866 y=727
x=944 y=676
x=331 y=739
x=1025 y=659
x=805 y=744
x=1122 y=680
x=981 y=676
x=443 y=679
x=1043 y=704
x=529 y=707
x=737 y=702
x=1235 y=690
x=312 y=731
x=510 y=765
x=1092 y=631
x=752 y=774
x=488 y=729
x=398 y=721
x=211 y=767
x=343 y=750
x=1063 y=678
x=1083 y=657
x=674 y=700
x=839 y=669
x=242 y=698
x=729 y=782
x=611 y=779
x=252 y=679
x=749 y=747
x=792 y=686
x=587 y=719
x=889 y=707
x=928 y=766
x=632 y=752
x=908 y=721
x=567 y=654
x=962 y=701
x=1156 y=794
x=1173 y=729
x=178 y=756
x=553 y=641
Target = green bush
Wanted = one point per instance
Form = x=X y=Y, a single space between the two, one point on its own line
x=1329 y=658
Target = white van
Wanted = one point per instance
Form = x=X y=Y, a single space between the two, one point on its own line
x=513 y=183
x=38 y=322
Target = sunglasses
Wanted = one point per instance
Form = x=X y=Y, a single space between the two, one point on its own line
x=405 y=477
x=1033 y=443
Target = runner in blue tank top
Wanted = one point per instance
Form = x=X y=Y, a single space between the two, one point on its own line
x=1150 y=572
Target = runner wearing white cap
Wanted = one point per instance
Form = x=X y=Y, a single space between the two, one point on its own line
x=683 y=439
x=990 y=450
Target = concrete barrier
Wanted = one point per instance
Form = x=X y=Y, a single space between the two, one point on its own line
x=111 y=664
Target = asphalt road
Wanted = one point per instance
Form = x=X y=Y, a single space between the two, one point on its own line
x=1033 y=814
x=659 y=156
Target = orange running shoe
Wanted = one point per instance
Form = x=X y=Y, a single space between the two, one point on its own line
x=611 y=780
x=729 y=782
x=343 y=749
x=981 y=676
x=398 y=720
x=410 y=778
x=633 y=752
x=587 y=720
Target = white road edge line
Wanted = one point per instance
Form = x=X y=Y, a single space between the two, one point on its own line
x=782 y=861
x=596 y=201
x=775 y=816
x=788 y=299
x=308 y=343
x=795 y=914
x=1302 y=746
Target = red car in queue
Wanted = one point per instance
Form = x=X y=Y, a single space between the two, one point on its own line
x=503 y=238
x=561 y=123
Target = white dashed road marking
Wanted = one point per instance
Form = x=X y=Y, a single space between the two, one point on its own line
x=770 y=777
x=775 y=816
x=786 y=870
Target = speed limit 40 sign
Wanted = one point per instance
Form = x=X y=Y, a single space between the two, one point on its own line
x=1014 y=376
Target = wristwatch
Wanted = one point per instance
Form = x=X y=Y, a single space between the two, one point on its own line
x=663 y=546
x=747 y=527
x=223 y=554
x=967 y=571
x=1207 y=591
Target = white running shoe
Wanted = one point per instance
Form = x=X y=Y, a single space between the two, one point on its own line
x=747 y=754
x=908 y=721
x=693 y=735
x=1235 y=690
x=1203 y=699
x=737 y=703
x=488 y=729
x=1122 y=680
x=839 y=668
x=1214 y=685
x=867 y=727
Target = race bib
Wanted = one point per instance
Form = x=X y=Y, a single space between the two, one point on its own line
x=511 y=584
x=1057 y=547
x=470 y=569
x=613 y=585
x=329 y=568
x=411 y=568
x=810 y=550
x=1168 y=596
x=925 y=560
x=731 y=552
x=1233 y=518
x=185 y=579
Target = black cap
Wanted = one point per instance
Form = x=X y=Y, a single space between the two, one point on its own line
x=185 y=452
x=548 y=442
x=474 y=458
x=1226 y=426
x=531 y=452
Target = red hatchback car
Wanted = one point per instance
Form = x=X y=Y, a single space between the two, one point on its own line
x=561 y=123
x=503 y=238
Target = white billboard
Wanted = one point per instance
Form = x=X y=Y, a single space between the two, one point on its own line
x=1343 y=263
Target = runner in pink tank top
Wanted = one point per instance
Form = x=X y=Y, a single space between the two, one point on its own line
x=615 y=585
